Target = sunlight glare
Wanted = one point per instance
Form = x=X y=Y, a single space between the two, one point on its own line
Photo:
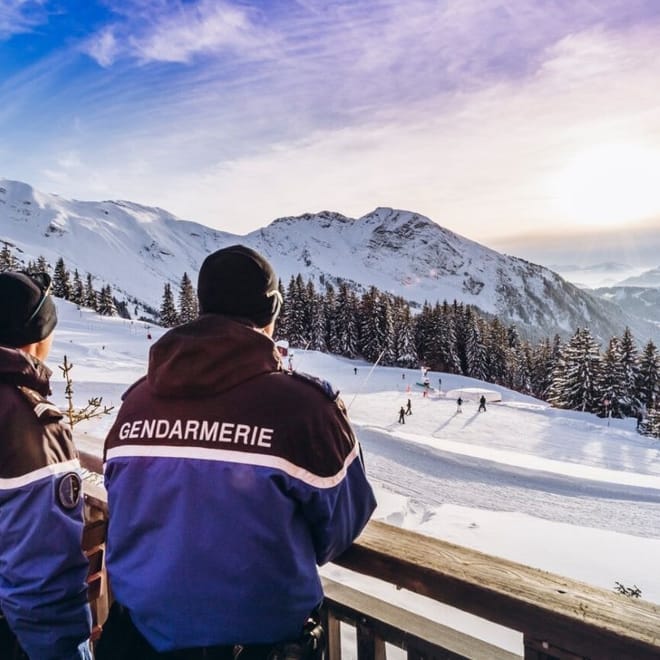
x=610 y=185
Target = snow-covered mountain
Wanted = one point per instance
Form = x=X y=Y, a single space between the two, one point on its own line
x=639 y=301
x=136 y=249
x=649 y=278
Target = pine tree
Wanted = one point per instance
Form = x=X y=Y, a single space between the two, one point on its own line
x=168 y=315
x=576 y=375
x=7 y=259
x=425 y=333
x=77 y=290
x=282 y=326
x=544 y=359
x=370 y=339
x=475 y=354
x=651 y=423
x=404 y=336
x=317 y=324
x=42 y=265
x=439 y=350
x=307 y=293
x=279 y=334
x=611 y=382
x=296 y=312
x=630 y=404
x=90 y=299
x=385 y=328
x=188 y=309
x=330 y=315
x=446 y=354
x=106 y=302
x=520 y=367
x=497 y=344
x=461 y=323
x=61 y=280
x=647 y=387
x=347 y=323
x=556 y=391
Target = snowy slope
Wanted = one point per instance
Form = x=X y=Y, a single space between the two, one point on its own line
x=503 y=482
x=134 y=248
x=137 y=249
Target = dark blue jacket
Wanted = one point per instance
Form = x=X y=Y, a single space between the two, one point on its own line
x=228 y=481
x=43 y=590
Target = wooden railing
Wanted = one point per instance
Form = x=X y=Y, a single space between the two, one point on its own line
x=559 y=618
x=93 y=541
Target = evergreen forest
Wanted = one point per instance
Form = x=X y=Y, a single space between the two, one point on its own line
x=574 y=373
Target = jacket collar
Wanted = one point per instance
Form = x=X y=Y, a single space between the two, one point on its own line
x=20 y=368
x=209 y=355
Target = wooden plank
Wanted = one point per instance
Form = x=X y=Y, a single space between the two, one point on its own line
x=94 y=584
x=91 y=462
x=406 y=629
x=331 y=625
x=369 y=645
x=572 y=615
x=94 y=534
x=95 y=560
x=536 y=650
x=96 y=499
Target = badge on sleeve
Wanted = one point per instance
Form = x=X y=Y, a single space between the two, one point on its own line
x=69 y=490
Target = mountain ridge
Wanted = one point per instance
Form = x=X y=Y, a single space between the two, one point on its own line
x=136 y=249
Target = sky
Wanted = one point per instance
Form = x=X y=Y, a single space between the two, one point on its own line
x=508 y=121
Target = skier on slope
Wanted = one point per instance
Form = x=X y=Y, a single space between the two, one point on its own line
x=482 y=404
x=459 y=405
x=402 y=415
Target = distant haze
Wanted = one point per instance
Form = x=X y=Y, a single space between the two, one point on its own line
x=636 y=247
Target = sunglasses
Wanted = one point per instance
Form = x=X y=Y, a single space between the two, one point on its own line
x=45 y=283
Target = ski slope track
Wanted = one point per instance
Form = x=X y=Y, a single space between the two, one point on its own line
x=433 y=477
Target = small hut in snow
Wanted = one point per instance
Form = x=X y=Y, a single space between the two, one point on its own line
x=474 y=394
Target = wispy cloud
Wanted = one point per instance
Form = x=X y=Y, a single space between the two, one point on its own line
x=158 y=31
x=463 y=109
x=103 y=46
x=478 y=161
x=18 y=16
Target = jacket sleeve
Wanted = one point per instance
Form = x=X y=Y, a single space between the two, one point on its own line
x=43 y=590
x=338 y=509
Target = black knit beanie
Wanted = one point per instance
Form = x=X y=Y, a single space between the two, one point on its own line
x=238 y=282
x=27 y=310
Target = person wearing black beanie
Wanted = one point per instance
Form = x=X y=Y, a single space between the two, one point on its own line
x=43 y=590
x=238 y=282
x=27 y=311
x=254 y=478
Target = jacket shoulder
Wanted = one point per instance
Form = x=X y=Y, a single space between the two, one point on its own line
x=318 y=383
x=139 y=381
x=44 y=410
x=33 y=435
